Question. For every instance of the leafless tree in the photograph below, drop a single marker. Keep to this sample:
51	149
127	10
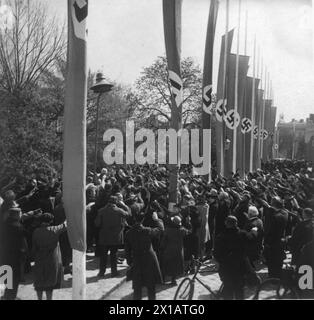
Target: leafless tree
30	46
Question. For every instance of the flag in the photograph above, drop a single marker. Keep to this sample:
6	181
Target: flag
172	32
258	123
74	154
273	113
220	130
208	70
247	113
208	64
231	73
267	127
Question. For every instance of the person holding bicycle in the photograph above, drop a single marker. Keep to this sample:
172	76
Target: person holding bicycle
231	254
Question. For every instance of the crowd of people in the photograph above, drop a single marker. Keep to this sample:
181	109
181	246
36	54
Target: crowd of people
239	222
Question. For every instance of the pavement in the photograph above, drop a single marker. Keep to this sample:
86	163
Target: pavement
167	291
118	288
96	288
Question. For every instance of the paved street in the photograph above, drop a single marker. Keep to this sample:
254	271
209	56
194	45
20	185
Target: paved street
167	292
97	289
118	289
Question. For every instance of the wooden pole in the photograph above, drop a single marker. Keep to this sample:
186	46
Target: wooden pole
79	275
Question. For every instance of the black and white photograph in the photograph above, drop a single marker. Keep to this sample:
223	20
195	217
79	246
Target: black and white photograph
156	150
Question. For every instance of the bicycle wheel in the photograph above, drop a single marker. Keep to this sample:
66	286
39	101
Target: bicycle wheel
185	290
287	292
267	290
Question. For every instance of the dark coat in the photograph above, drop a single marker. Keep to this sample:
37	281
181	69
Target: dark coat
13	245
231	252
223	212
302	234
65	247
111	221
172	250
275	226
255	246
141	256
240	212
48	270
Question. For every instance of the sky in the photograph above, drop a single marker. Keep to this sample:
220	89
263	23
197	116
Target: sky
127	35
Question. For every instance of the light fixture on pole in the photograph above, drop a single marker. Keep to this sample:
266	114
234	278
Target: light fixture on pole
101	86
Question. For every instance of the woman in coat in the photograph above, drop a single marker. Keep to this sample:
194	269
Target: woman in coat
48	270
173	249
13	248
140	255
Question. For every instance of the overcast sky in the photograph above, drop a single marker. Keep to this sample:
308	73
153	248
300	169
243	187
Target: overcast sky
127	35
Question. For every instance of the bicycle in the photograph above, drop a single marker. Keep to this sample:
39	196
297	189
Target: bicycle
285	287
186	288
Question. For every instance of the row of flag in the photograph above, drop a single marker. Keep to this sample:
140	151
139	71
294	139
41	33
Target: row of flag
250	126
254	113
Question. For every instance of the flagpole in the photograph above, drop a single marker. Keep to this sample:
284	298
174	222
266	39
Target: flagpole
245	53
208	79
253	108
74	150
263	110
222	140
234	149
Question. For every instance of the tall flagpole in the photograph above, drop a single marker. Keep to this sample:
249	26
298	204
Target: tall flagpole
222	141
253	108
260	64
234	149
245	53
263	110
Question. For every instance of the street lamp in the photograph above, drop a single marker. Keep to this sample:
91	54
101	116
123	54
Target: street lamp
101	86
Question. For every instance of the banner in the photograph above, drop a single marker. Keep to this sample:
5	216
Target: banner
208	65
268	128
222	103
74	154
258	123
247	113
231	75
208	73
172	32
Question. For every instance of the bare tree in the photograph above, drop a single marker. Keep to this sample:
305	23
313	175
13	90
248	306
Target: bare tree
152	92
30	47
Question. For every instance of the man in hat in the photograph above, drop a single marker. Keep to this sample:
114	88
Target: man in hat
212	214
111	222
276	220
302	234
230	252
145	269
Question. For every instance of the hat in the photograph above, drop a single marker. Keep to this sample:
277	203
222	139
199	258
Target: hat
46	218
276	202
223	195
252	212
113	199
14	213
213	193
308	211
176	220
231	222
246	194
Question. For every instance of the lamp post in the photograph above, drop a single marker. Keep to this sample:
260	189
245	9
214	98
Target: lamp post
101	86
